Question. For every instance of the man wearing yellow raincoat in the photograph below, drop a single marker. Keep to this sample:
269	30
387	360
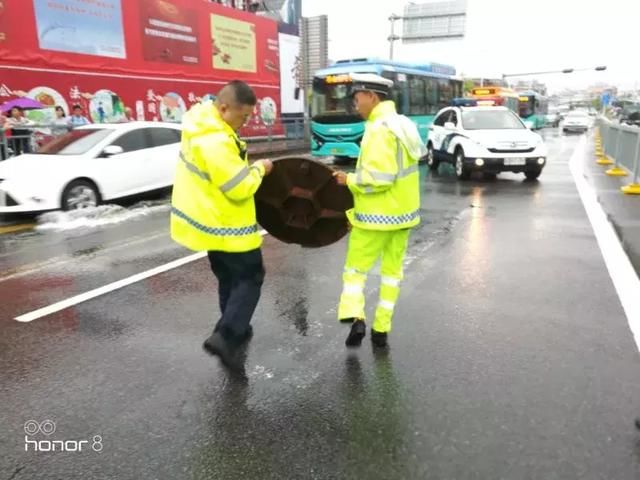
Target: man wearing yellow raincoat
213	210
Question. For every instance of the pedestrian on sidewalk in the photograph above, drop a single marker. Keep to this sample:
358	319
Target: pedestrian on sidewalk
213	210
77	118
386	195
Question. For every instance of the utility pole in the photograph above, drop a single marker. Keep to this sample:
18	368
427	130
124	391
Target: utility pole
392	37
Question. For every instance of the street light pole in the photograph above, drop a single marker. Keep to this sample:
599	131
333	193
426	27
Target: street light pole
393	37
566	70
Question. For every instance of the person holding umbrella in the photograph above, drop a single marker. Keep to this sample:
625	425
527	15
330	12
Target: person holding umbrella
20	137
21	141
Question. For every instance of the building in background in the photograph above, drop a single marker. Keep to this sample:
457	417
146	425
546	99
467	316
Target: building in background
315	47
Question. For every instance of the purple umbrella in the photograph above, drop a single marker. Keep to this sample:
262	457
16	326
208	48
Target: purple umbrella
22	102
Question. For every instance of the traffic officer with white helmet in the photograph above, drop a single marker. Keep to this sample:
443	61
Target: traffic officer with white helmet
386	193
213	210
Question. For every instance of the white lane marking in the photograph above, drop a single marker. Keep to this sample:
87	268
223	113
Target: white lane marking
64	259
624	277
83	297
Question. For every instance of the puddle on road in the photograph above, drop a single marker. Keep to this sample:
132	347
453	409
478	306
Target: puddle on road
99	216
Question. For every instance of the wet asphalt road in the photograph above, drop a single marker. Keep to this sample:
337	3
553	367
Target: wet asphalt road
511	357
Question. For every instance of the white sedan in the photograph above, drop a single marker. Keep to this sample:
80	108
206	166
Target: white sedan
485	139
576	121
89	165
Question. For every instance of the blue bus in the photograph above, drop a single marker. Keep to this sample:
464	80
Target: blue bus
419	92
533	109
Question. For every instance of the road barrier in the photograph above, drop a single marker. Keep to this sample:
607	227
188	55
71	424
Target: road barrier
619	145
282	136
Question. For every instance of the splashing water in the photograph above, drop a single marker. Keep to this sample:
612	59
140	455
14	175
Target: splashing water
99	216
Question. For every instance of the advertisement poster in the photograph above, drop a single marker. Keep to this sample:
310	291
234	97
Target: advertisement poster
167	66
169	32
234	44
291	95
106	106
104	99
3	21
80	26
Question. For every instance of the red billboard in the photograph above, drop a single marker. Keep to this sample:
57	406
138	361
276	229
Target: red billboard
156	56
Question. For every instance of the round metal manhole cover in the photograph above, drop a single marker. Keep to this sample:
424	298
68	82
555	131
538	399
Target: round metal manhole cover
300	202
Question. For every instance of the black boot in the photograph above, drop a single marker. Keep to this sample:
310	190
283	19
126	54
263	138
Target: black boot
227	349
357	333
378	339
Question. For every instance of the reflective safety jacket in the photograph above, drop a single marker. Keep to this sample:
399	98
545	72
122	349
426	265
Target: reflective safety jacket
385	185
212	207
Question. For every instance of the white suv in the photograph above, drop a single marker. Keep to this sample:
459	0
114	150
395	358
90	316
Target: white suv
485	139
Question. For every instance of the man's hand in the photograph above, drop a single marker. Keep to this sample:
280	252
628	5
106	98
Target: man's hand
268	165
341	177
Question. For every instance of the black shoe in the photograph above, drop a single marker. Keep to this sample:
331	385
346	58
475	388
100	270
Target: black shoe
379	339
357	333
227	350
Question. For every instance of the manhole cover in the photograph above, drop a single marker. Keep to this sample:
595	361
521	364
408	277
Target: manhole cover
300	202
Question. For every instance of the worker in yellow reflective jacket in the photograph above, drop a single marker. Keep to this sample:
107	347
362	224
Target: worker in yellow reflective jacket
386	194
213	210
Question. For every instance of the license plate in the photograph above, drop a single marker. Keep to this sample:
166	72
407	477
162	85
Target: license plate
334	150
515	161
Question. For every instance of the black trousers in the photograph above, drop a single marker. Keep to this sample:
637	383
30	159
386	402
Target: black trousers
240	277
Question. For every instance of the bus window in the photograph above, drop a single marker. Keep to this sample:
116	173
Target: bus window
446	93
432	95
417	104
397	91
456	88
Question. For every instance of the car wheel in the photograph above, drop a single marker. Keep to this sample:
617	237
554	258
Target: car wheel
532	174
80	194
462	172
431	158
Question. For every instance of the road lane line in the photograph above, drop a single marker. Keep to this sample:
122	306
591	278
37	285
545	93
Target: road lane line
622	273
97	292
63	259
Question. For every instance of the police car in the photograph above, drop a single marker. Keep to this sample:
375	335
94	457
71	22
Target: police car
485	139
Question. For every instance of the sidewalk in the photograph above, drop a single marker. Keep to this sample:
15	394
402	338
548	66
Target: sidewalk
623	210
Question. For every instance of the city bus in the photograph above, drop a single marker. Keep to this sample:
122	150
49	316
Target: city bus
419	92
500	96
533	109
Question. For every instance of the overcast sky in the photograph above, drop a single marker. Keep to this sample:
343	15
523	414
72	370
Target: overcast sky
503	36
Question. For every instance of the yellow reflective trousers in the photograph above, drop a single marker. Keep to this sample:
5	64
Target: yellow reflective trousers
365	248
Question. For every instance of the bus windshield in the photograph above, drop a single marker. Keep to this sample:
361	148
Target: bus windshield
526	106
332	100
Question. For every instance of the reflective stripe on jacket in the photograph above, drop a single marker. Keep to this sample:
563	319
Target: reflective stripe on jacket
385	185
